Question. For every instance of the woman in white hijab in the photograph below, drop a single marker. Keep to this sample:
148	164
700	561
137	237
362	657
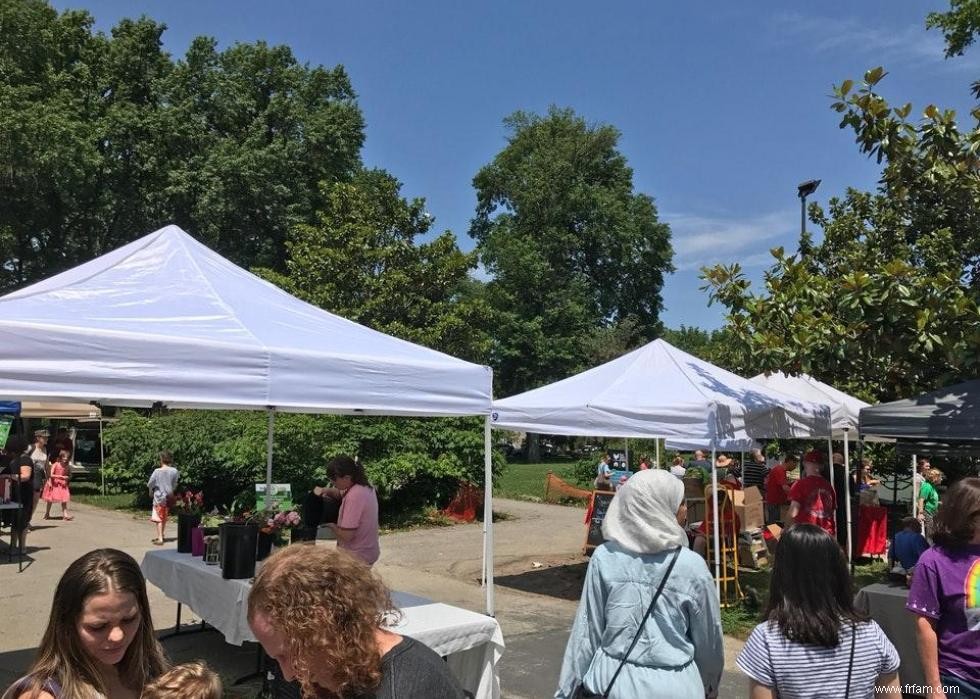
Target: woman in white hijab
679	650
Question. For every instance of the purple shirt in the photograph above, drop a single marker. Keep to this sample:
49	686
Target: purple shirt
946	587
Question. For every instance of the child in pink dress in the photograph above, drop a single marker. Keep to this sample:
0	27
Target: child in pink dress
56	487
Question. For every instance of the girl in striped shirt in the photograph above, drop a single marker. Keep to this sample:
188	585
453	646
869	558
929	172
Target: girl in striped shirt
814	643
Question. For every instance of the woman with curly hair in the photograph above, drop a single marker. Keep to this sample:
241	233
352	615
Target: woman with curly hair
99	641
321	614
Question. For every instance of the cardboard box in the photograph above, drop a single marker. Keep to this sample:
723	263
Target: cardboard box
749	507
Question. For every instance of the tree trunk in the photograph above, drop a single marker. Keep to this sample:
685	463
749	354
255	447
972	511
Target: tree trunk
533	448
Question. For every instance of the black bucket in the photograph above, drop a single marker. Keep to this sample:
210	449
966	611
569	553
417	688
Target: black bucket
238	547
264	547
186	522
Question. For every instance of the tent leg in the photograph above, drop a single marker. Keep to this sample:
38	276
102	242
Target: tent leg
847	493
101	456
268	458
915	490
488	516
656	446
626	448
716	534
830	460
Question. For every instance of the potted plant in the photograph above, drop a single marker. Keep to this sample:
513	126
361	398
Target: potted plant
239	542
188	506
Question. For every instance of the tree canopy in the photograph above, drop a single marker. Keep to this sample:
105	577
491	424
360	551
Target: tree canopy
365	259
886	305
571	249
104	138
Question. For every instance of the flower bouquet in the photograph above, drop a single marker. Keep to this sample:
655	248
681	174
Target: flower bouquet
188	502
280	524
188	506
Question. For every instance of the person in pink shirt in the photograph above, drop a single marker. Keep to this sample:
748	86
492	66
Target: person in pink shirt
357	526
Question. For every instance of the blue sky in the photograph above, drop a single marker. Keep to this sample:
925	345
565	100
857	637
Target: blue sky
723	109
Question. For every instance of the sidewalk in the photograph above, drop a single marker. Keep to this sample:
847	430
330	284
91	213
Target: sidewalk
441	563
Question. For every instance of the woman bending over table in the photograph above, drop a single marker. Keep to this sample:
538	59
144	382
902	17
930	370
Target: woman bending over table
321	614
357	526
99	641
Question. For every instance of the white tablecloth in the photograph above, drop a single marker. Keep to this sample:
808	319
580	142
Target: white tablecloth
471	643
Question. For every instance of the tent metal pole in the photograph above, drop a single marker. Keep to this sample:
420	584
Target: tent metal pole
626	442
716	534
101	455
488	515
915	489
656	446
847	492
268	457
830	460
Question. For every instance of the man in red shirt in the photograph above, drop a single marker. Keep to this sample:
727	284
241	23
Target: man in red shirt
777	489
812	498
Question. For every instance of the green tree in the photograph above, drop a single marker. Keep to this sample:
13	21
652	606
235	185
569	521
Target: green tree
104	138
959	26
364	259
572	251
710	345
886	305
412	463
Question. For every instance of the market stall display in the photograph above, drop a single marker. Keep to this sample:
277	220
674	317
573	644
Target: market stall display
471	643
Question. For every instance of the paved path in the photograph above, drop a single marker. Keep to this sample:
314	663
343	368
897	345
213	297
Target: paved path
441	563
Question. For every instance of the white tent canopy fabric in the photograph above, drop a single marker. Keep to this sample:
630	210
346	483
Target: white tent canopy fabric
167	319
844	409
660	391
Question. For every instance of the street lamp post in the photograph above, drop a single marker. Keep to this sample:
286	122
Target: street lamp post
804	190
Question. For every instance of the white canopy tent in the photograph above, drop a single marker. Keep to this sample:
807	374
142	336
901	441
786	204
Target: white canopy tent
659	391
845	411
166	320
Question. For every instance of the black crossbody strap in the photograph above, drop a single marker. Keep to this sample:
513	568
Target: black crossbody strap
850	664
639	630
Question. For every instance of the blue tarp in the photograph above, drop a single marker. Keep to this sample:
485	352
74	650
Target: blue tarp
9	407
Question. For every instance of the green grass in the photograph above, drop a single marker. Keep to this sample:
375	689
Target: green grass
520	481
739	620
89	493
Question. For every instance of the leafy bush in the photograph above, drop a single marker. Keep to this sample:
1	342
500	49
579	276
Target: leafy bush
412	462
584	471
